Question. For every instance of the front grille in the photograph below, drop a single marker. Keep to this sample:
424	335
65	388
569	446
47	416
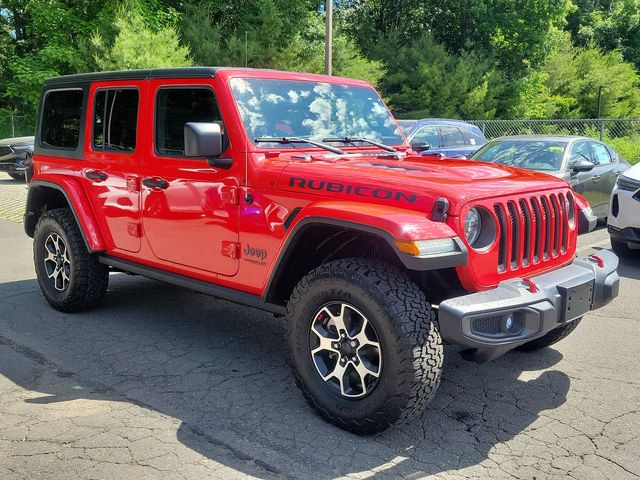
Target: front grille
5	151
531	230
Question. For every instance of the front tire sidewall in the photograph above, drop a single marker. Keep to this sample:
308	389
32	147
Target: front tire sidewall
388	394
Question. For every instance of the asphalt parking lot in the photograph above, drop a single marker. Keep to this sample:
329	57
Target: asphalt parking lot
160	382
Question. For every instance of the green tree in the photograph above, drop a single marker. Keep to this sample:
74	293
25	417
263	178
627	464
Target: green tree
305	53
137	45
424	79
577	72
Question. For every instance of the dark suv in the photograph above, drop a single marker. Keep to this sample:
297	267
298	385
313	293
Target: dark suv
13	154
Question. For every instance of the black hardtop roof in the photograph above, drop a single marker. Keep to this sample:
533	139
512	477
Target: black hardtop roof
178	72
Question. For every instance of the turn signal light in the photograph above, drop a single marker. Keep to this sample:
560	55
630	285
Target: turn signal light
420	248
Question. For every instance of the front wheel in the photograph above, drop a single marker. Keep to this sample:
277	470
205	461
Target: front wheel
622	250
364	344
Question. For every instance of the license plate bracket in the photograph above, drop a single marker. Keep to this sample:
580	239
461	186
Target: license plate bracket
577	300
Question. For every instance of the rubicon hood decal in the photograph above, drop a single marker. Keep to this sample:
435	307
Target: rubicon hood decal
348	188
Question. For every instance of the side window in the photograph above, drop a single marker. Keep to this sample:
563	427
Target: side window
579	151
428	135
115	120
600	154
61	116
177	106
471	138
451	137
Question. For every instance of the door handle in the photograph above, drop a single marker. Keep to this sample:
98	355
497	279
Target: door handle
155	183
96	175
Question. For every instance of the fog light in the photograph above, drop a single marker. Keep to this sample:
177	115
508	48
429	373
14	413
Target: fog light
509	322
512	324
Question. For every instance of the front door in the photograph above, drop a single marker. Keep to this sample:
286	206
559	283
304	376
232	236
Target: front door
112	161
189	209
582	182
605	175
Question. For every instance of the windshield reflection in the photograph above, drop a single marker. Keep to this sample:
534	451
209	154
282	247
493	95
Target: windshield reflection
286	108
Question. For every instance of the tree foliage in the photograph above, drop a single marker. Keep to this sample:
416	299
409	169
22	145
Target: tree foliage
138	45
454	58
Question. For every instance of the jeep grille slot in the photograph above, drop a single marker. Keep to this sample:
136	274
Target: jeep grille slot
502	232
514	220
531	230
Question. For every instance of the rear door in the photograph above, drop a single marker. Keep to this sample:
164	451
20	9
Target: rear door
112	161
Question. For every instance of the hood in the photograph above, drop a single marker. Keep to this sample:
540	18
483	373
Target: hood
414	180
17	141
633	172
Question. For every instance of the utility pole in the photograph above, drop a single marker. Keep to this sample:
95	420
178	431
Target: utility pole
600	87
600	121
328	48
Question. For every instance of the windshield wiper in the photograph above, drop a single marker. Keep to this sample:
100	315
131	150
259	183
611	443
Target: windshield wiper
285	140
363	140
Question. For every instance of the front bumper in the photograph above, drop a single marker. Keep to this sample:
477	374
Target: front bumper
13	163
493	322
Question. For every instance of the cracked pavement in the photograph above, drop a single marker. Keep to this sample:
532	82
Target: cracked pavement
160	382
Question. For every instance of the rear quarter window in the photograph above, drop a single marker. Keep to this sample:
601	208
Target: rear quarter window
62	119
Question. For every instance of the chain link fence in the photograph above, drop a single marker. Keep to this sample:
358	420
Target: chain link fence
12	125
622	134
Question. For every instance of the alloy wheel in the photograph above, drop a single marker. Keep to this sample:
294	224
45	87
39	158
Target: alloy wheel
345	350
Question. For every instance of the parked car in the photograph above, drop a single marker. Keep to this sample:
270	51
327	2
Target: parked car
443	138
233	182
624	219
13	153
590	166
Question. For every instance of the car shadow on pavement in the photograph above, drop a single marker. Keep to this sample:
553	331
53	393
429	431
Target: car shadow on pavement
222	371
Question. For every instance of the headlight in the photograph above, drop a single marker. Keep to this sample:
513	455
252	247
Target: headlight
22	148
472	226
570	208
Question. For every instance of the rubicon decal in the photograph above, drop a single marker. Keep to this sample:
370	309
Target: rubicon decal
350	189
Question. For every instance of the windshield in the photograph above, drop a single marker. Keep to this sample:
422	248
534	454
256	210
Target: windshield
540	155
286	108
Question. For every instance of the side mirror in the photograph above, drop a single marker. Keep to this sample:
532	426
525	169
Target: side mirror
420	146
204	139
582	166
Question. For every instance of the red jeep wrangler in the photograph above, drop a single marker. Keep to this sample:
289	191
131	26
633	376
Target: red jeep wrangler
297	194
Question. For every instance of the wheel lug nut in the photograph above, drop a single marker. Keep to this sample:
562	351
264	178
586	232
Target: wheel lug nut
343	360
343	335
353	343
354	359
336	345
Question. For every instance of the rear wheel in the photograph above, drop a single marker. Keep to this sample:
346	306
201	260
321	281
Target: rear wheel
554	336
364	344
70	277
621	249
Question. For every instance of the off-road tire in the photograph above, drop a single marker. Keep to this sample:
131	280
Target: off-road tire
17	176
554	336
88	279
622	250
408	334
